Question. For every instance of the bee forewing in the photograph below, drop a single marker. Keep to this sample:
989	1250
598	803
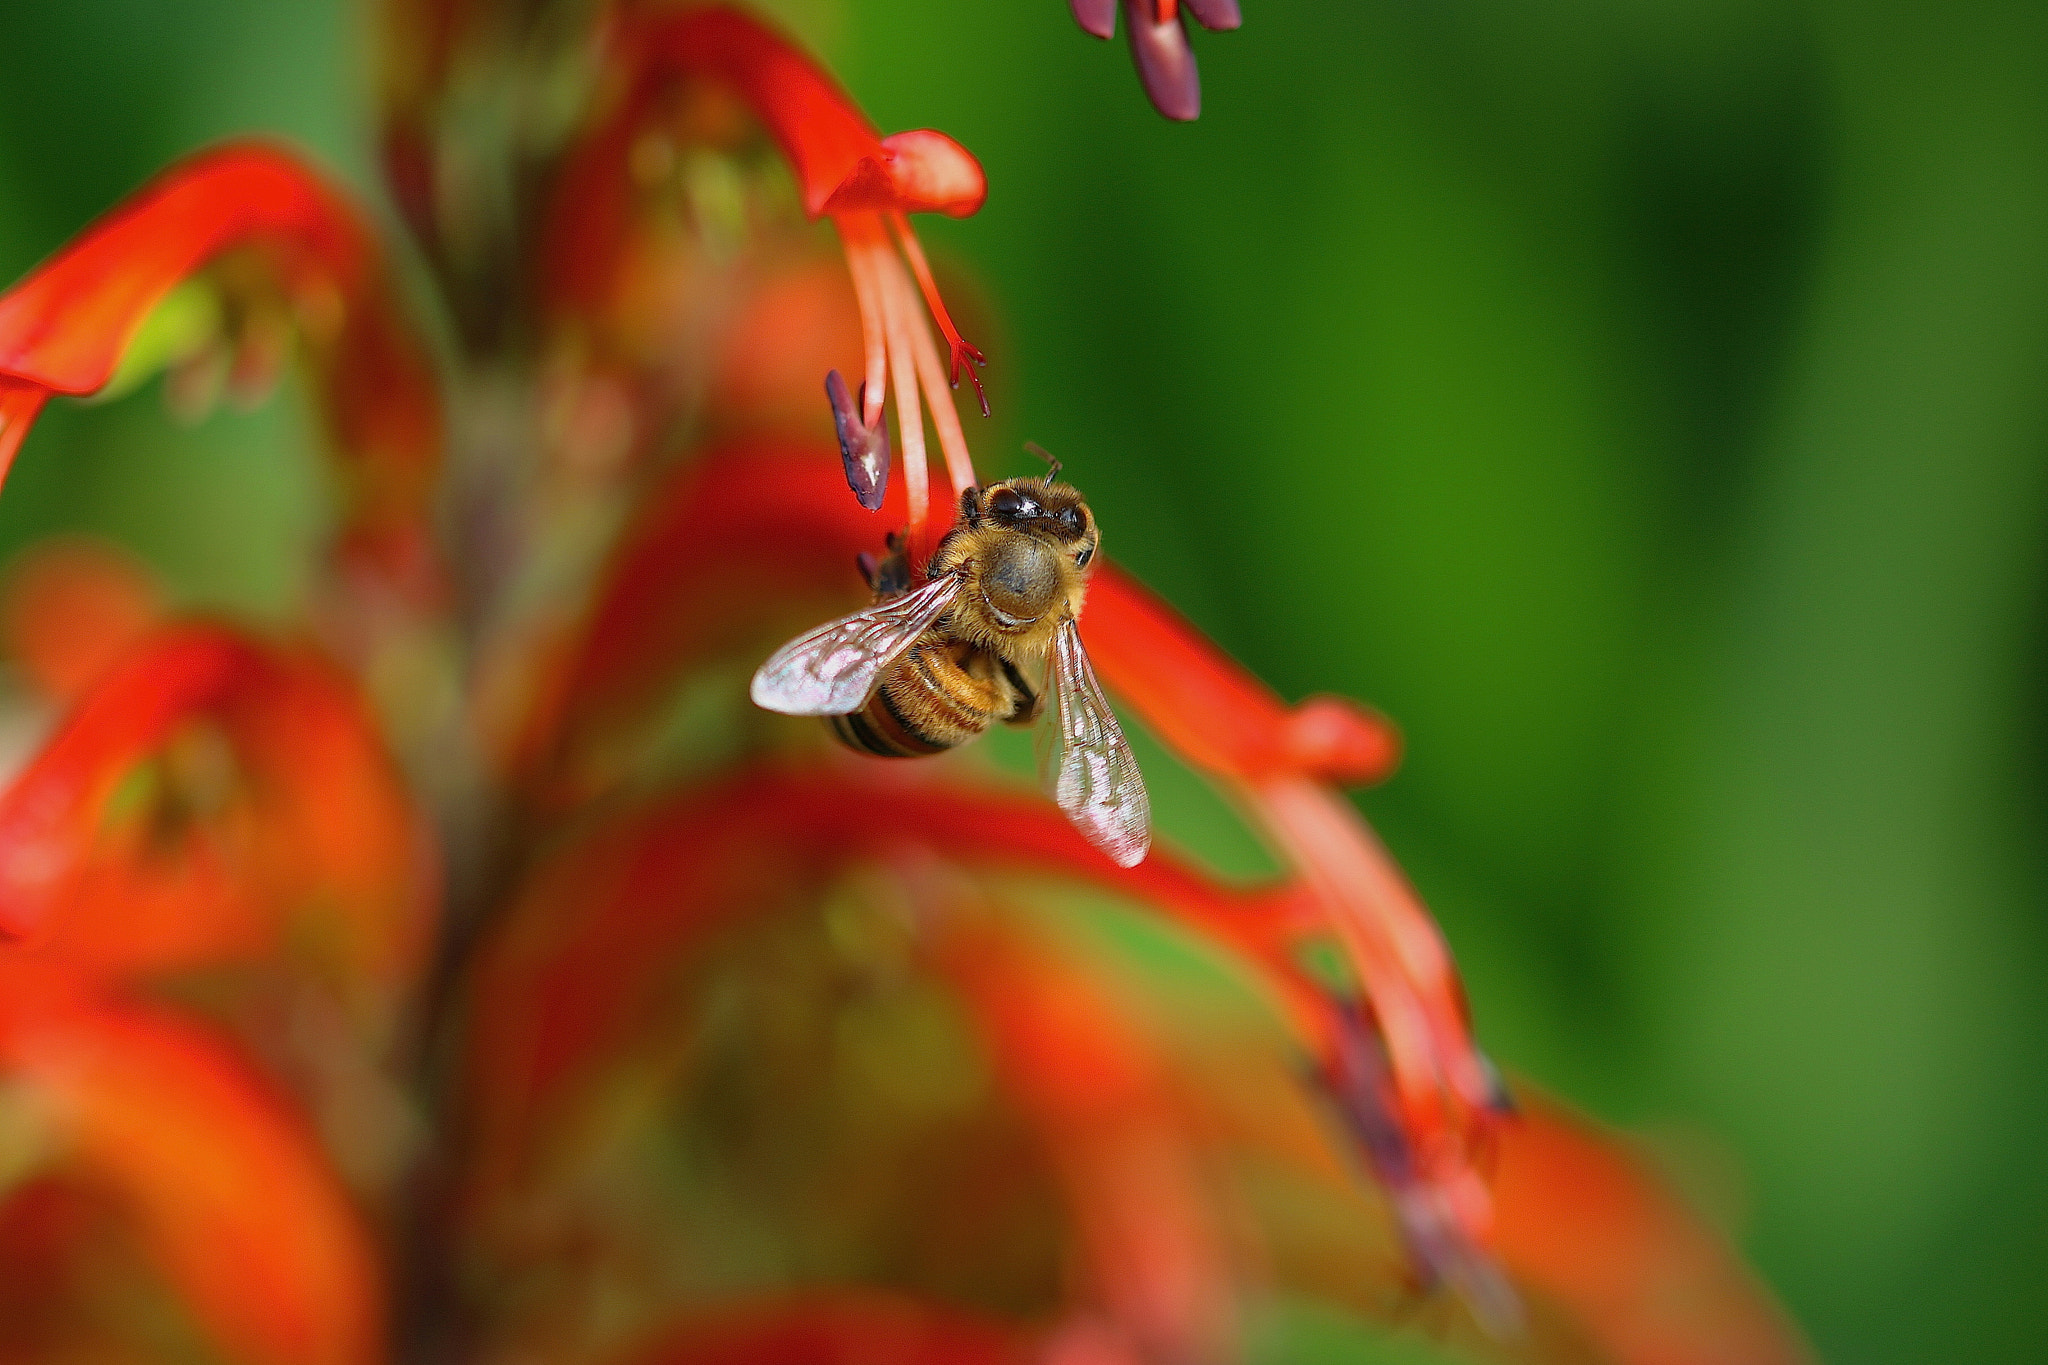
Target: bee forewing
1084	762
831	670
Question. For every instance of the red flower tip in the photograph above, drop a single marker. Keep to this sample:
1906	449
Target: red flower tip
921	171
1337	740
935	174
1214	713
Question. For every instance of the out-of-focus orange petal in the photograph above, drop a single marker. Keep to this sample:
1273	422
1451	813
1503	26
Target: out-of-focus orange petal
223	1180
316	818
70	607
738	527
603	926
1072	1058
835	1329
65	327
1579	1218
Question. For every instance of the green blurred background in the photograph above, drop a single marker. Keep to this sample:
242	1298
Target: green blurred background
1643	404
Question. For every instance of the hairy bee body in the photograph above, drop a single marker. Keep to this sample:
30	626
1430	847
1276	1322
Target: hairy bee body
991	634
1021	549
942	694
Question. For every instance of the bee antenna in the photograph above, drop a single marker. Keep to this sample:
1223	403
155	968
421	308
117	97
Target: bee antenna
1042	453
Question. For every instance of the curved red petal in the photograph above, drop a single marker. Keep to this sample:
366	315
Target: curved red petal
65	327
826	138
1100	1095
841	163
325	823
1212	711
225	1183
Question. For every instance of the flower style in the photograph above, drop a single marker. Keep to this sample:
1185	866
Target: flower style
590	1014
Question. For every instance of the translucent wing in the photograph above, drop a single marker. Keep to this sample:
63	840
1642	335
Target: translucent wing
831	670
1084	762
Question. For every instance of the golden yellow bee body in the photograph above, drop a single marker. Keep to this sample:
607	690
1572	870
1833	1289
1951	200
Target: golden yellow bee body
991	635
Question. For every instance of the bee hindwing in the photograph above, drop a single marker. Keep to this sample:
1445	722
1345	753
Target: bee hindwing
1084	762
831	670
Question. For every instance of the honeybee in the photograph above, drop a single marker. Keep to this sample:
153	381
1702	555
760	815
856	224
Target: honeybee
926	669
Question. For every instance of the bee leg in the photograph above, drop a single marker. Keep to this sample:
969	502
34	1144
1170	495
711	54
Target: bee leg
1026	704
892	576
865	562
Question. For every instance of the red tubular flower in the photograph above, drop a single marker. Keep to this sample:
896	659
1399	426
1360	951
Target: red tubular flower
272	798
742	1047
867	184
72	324
150	1111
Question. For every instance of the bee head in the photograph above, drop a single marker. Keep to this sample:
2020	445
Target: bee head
1034	541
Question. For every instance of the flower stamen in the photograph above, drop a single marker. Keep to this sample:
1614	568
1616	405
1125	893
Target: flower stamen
945	417
849	173
861	240
959	348
899	320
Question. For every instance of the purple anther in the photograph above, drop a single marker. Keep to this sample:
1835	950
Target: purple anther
863	449
1095	16
1166	64
1215	15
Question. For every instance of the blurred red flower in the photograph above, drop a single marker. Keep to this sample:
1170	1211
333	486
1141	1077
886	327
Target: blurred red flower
475	974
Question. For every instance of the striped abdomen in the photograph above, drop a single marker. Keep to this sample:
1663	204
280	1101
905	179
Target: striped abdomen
938	696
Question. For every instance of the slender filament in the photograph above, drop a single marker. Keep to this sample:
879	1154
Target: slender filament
865	243
960	351
932	378
898	319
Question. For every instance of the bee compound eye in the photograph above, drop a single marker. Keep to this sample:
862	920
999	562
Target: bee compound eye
1007	502
1070	517
1081	559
